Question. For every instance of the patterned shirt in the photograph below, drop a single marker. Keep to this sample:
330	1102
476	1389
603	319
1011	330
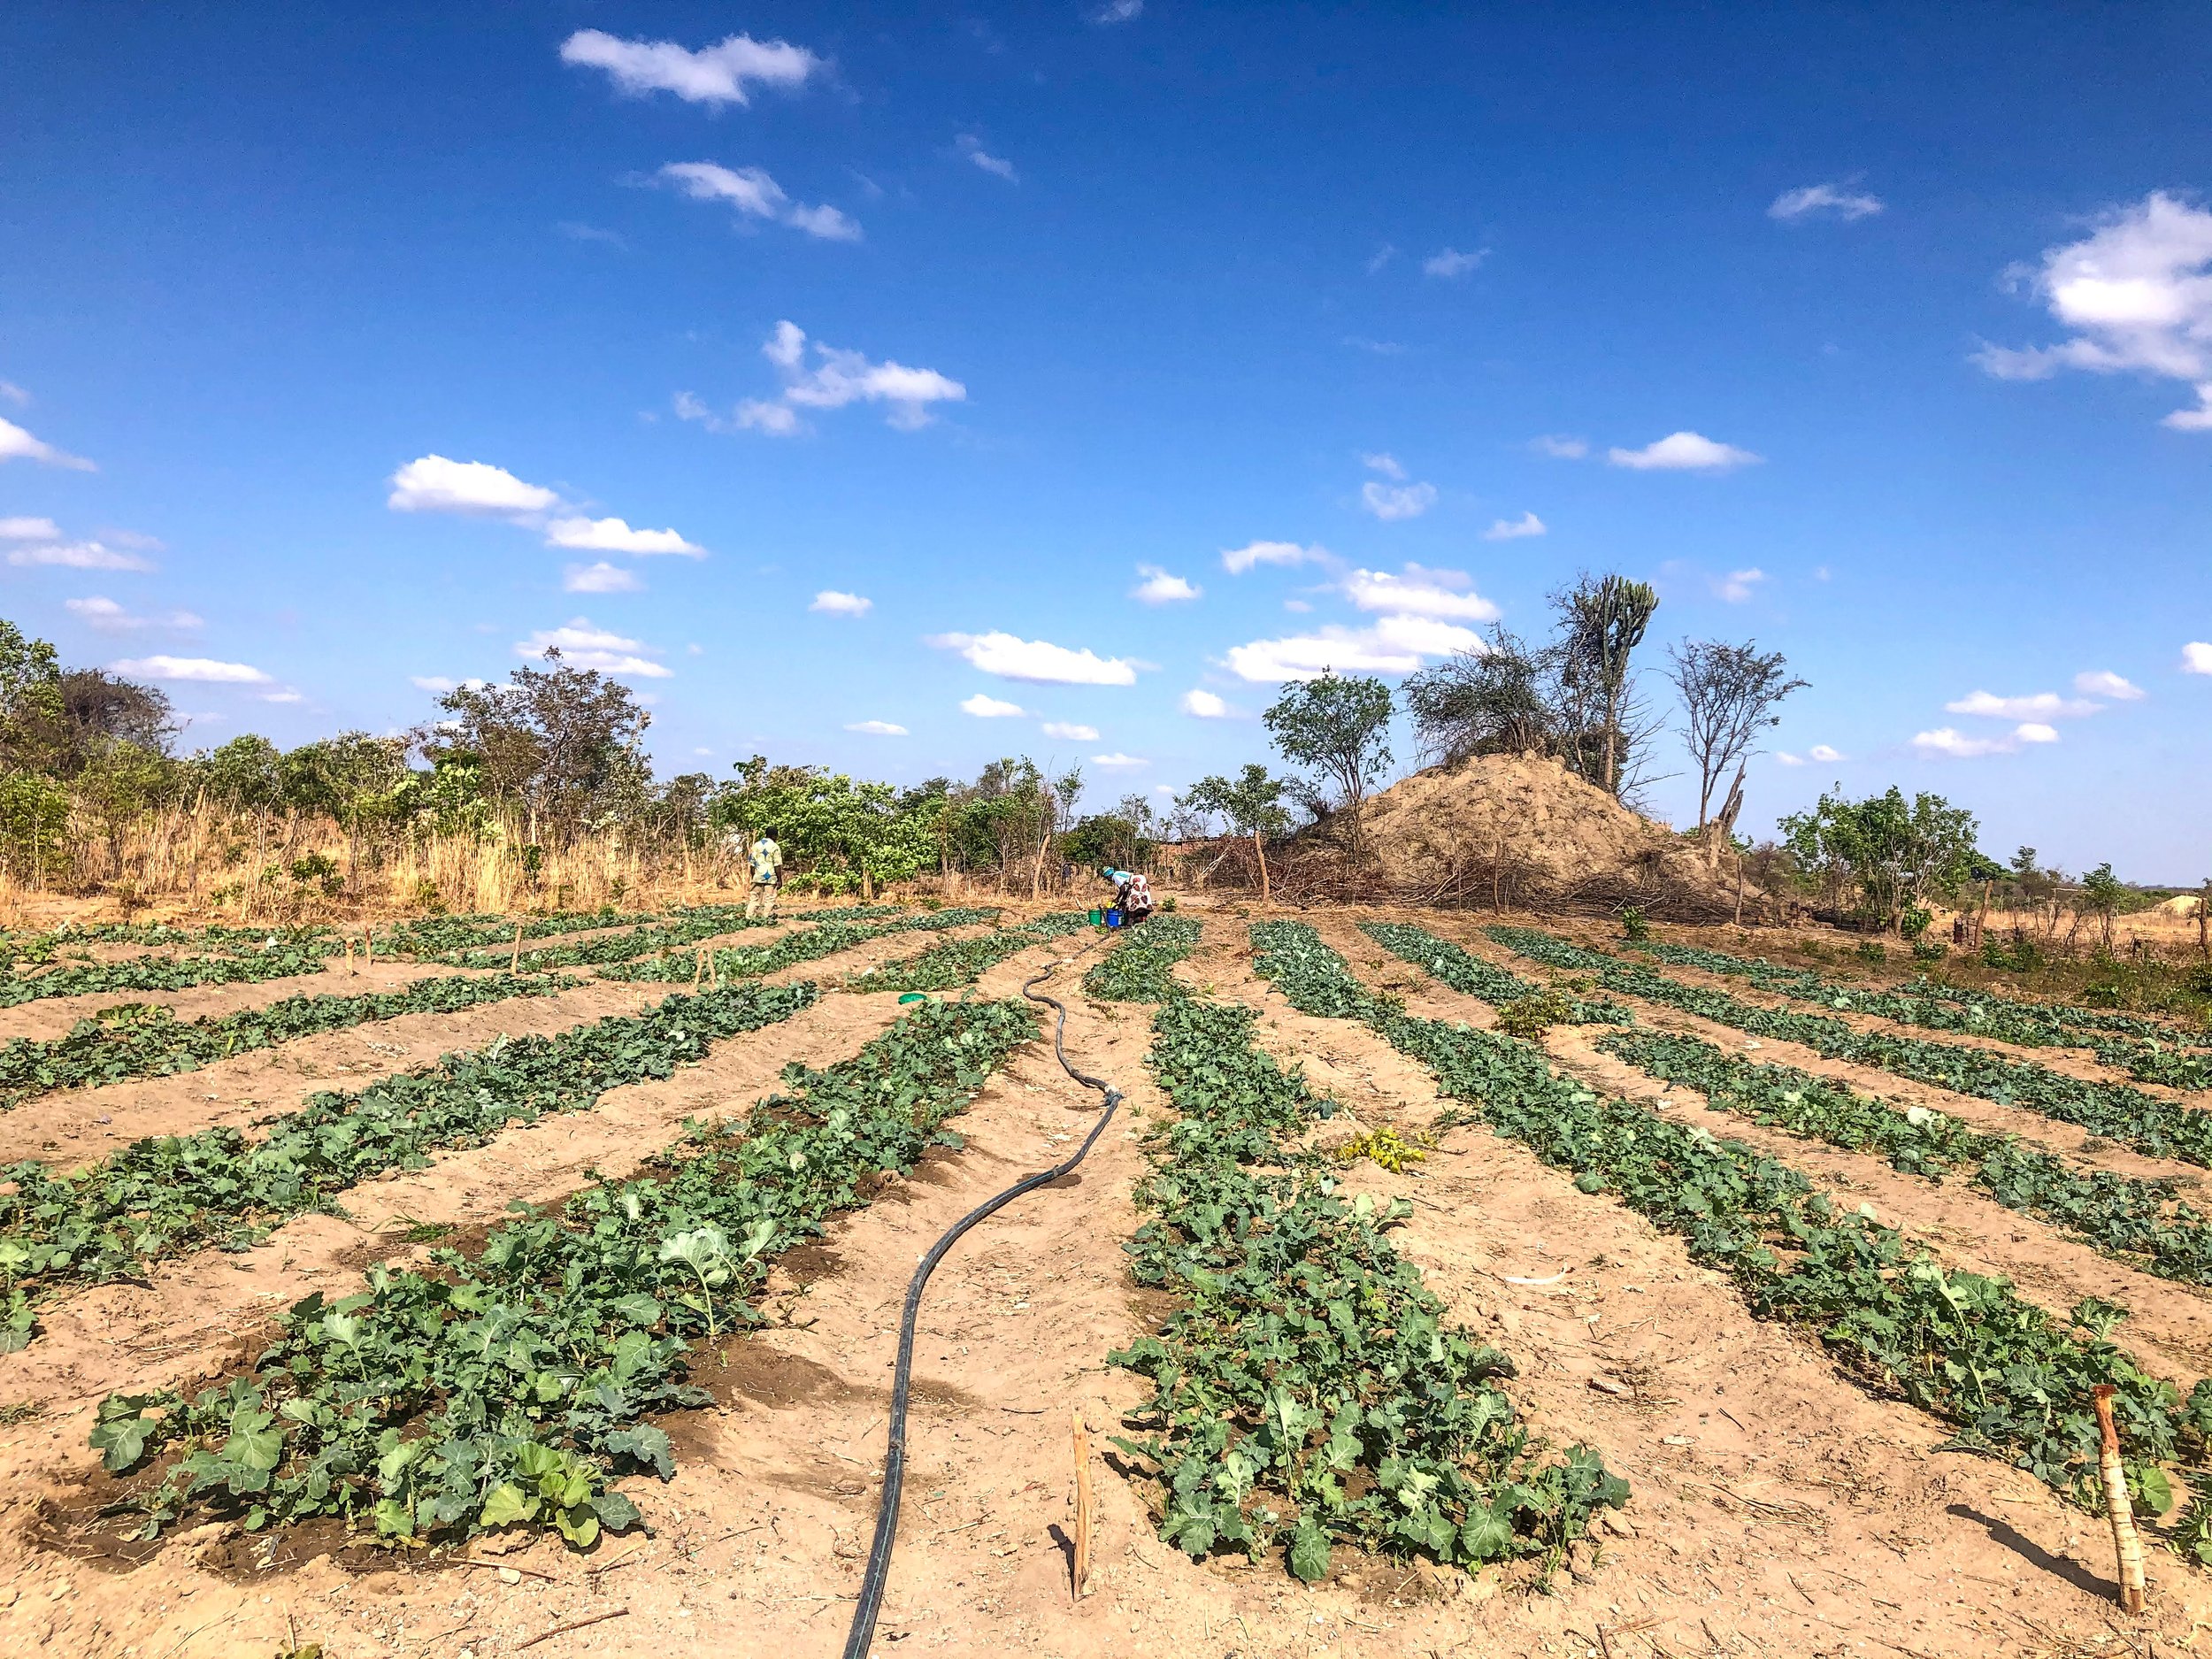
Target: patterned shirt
765	856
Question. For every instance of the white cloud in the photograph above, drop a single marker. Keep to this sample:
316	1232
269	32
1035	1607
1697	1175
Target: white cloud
1822	751
613	535
1421	593
1160	588
1514	529
1389	502
1298	607
1118	760
2102	682
1010	658
14	394
2137	293
1201	705
582	644
831	603
1560	448
1738	586
1824	198
600	578
16	444
971	147
1392	645
1385	463
1683	451
111	618
2042	706
991	707
2196	658
29	530
434	484
193	668
1118	11
430	682
837	378
78	555
1071	731
282	696
877	728
575	230
1236	561
1788	759
1452	263
712	75
1946	740
756	195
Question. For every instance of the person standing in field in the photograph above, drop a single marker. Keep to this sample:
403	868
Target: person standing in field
766	858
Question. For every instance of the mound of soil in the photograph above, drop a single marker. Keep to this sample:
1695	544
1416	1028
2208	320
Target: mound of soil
1532	833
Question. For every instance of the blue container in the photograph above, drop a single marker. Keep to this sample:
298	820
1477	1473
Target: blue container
1113	919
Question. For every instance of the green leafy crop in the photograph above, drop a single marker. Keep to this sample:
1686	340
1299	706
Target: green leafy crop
166	1196
1141	968
508	1386
807	944
953	963
147	1041
167	973
1308	1390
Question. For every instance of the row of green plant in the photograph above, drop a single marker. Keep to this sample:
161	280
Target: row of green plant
2145	1221
1308	1390
438	936
2008	1378
1532	1005
2147	1123
953	963
508	1386
1141	968
41	945
167	1195
805	944
706	922
167	973
147	1040
1947	1008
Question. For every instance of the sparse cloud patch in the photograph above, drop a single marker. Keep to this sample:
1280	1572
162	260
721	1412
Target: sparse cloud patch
877	728
435	484
971	147
1515	529
986	708
831	603
2102	682
1948	742
1201	705
1237	561
1037	661
1117	761
195	670
78	555
600	578
1448	263
109	616
1738	586
16	444
1160	588
1822	752
1070	731
1560	447
1823	201
2040	705
1682	452
583	643
1391	645
2196	658
754	194
613	535
1419	593
835	378
712	75
25	529
2137	294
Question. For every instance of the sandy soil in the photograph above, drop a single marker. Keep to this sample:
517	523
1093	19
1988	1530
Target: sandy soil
1777	1509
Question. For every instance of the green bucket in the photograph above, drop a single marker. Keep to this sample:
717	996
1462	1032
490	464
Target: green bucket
913	996
1096	919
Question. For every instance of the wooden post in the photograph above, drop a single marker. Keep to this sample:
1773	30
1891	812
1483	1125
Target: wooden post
1261	849
350	968
698	968
2124	1541
1080	1434
368	946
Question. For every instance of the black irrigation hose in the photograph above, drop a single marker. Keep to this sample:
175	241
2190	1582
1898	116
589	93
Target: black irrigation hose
862	1633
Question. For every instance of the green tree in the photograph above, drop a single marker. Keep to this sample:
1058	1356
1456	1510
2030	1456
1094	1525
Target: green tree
2102	894
33	716
1253	804
1601	622
245	774
1888	853
561	748
1497	701
1341	728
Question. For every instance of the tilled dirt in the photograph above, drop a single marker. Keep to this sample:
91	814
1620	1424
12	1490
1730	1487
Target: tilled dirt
1776	1508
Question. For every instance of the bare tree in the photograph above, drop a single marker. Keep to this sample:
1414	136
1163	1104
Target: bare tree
1497	700
1728	693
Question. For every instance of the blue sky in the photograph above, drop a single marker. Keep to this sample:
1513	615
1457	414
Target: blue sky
350	348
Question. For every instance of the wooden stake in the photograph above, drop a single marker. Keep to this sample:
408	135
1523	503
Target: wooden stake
1080	1434
350	967
1262	851
368	946
698	968
2124	1541
514	957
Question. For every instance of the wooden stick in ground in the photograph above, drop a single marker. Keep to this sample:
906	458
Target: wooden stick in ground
514	956
2124	1541
1262	851
368	946
351	969
576	1624
1081	1435
698	968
